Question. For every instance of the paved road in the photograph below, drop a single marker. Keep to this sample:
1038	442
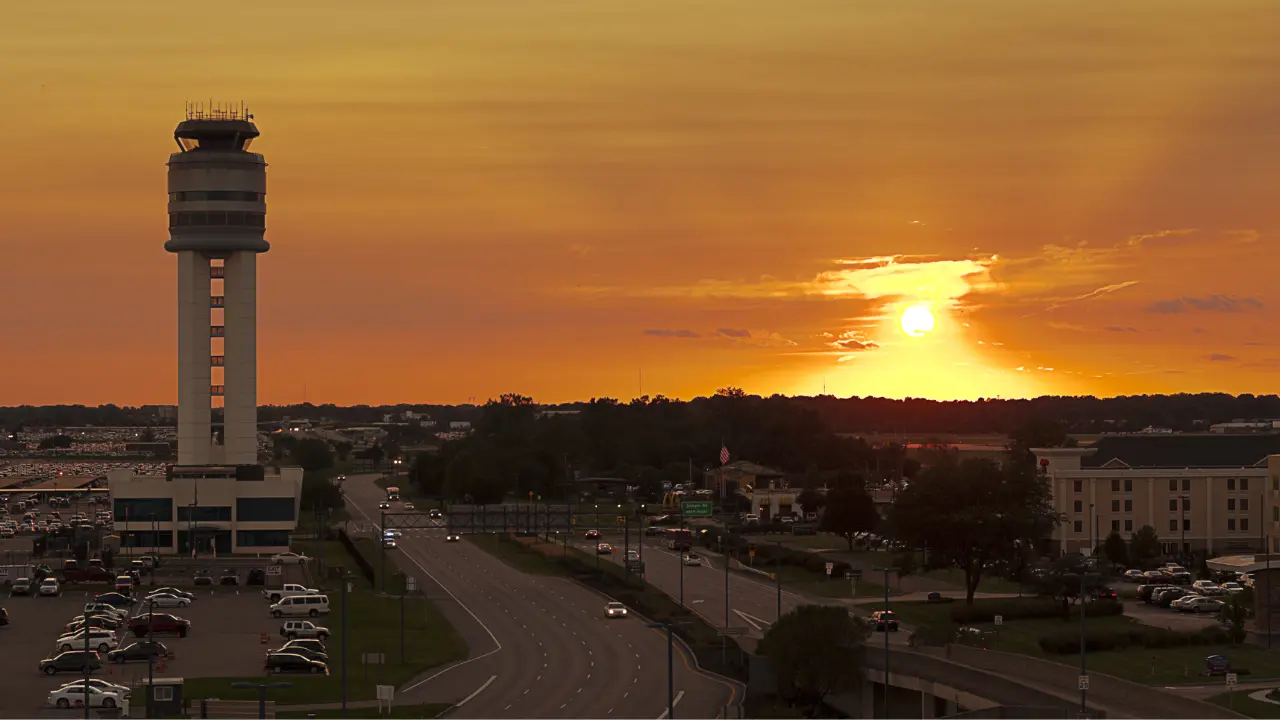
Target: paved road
541	647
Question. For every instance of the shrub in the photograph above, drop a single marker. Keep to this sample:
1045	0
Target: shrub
982	611
1067	642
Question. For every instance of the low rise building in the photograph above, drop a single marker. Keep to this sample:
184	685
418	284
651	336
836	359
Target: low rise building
1203	493
244	509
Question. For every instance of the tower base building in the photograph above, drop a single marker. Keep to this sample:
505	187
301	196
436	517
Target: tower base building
217	498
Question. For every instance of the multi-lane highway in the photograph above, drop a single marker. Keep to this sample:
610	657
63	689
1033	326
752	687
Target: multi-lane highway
540	646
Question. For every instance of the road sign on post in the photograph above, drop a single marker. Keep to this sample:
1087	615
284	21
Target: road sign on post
1232	679
830	567
697	508
1082	682
411	584
999	620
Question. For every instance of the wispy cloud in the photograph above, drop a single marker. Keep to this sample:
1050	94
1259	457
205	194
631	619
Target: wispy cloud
1212	303
672	333
1219	357
1120	328
733	333
1095	293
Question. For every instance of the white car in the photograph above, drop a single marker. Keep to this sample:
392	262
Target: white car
408	506
100	684
49	587
1232	587
692	560
615	610
74	697
290	558
105	609
165	600
99	639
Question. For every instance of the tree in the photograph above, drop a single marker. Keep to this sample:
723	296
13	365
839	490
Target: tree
815	650
1144	547
1235	614
56	442
312	455
974	515
1061	580
811	500
1115	549
342	449
849	511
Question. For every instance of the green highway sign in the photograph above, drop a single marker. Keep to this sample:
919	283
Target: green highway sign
697	508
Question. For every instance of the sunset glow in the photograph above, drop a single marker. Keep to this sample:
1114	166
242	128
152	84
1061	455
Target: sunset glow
574	199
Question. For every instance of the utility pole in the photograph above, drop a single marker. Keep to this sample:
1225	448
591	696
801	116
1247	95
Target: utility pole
88	614
1084	668
777	576
344	645
886	570
382	530
724	639
151	656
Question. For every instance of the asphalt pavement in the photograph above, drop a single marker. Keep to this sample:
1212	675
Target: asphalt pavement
540	646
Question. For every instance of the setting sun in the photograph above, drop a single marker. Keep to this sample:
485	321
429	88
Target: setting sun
917	320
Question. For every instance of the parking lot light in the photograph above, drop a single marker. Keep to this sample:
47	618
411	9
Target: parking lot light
262	692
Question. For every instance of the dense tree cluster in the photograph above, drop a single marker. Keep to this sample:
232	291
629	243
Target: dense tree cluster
842	415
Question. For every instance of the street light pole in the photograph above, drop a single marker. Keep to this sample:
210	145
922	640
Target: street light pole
382	530
777	575
151	656
671	683
886	570
344	645
1182	527
1084	668
87	615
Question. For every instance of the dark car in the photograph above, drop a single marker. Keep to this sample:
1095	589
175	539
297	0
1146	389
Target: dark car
151	623
1107	593
592	535
21	586
312	644
293	663
107	622
76	661
4	617
203	578
114	599
257	576
140	651
304	652
1217	665
229	577
885	621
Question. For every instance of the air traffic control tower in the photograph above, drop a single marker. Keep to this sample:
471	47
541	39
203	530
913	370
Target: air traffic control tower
217	223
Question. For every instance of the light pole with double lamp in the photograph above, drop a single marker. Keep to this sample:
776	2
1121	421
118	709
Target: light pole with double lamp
262	689
671	682
886	570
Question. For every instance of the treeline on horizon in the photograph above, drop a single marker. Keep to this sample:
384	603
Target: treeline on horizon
1084	414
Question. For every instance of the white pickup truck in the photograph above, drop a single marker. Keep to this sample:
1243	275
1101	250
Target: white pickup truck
275	595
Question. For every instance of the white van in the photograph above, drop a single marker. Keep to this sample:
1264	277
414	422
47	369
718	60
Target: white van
308	605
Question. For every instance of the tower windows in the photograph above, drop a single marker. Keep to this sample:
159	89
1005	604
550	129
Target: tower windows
217	218
215	196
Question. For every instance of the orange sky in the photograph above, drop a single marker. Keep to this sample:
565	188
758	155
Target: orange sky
468	197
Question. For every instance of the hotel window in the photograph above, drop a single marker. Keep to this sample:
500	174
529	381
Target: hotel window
1079	506
1078	527
1173	504
1186	503
1173	525
1076	486
1115	506
1231	504
1115	526
1186	484
1173	485
1115	484
1231	524
1128	526
1244	484
1275	514
1244	504
1128	485
1244	524
1231	483
1186	525
1128	506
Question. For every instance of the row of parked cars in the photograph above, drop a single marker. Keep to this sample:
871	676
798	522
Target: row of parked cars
1203	596
94	638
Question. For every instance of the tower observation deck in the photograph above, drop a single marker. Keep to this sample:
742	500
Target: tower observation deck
217	227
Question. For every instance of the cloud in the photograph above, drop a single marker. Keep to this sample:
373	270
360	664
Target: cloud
1212	303
733	333
1095	293
672	333
1219	357
1120	328
1068	326
854	345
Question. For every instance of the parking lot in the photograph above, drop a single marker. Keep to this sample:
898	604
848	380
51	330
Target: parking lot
225	640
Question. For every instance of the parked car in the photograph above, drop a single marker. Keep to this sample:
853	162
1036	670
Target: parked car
66	697
100	639
229	577
76	661
1133	575
21	586
280	663
202	577
114	599
158	623
165	600
49	588
308	605
275	595
106	622
295	629
97	608
315	645
307	653
99	683
1199	605
290	558
175	591
139	651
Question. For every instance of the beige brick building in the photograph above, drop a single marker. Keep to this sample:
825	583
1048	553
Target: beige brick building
1215	494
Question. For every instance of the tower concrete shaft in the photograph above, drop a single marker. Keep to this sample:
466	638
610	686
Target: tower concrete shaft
217	223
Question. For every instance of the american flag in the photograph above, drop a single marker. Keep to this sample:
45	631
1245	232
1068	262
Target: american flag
724	455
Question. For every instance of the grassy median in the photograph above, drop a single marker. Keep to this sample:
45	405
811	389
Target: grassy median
426	710
373	621
1240	702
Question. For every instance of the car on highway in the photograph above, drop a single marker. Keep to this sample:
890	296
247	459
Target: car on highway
384	505
21	586
159	623
592	535
884	621
303	629
65	697
409	506
452	537
692	560
434	514
165	600
290	558
604	549
139	651
49	588
394	534
76	661
615	610
389	543
280	663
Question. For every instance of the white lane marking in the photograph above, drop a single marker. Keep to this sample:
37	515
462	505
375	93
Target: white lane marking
752	620
526	692
507	707
674	703
479	690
